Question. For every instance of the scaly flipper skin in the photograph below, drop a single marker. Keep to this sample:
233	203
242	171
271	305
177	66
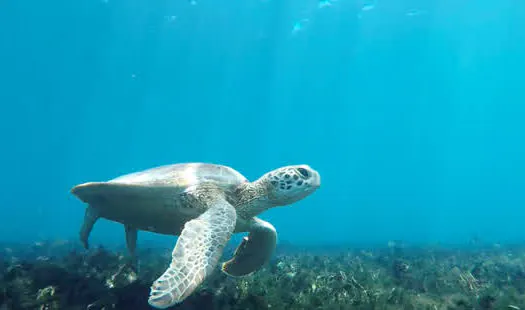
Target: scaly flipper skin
254	251
196	254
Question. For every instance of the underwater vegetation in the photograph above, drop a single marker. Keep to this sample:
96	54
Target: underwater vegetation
60	275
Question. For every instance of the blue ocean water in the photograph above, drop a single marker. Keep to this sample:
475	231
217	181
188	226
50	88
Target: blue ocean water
412	111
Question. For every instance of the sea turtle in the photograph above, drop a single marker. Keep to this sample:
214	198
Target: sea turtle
203	204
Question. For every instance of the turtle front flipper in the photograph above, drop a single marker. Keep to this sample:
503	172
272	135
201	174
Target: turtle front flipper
254	251
90	217
195	255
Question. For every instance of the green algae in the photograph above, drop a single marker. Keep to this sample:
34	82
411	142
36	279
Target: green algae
436	278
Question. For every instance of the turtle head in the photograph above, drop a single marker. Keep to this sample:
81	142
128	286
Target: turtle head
290	184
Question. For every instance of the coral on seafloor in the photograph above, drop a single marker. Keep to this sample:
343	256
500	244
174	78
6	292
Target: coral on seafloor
61	276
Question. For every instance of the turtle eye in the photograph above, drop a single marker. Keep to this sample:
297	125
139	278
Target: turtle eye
303	172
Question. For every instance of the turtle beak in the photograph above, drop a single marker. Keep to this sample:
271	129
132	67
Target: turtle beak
316	179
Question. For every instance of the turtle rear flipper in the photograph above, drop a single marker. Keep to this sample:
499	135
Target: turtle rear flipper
195	255
254	251
90	218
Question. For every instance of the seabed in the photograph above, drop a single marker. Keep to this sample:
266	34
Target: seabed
60	275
